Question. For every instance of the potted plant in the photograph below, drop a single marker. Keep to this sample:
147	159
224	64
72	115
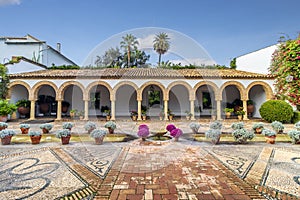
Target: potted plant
216	125
277	126
99	135
240	134
195	127
81	115
143	131
23	106
176	133
144	112
214	132
6	136
269	135
170	127
250	107
258	127
170	115
46	127
67	125
64	106
24	128
107	113
228	112
73	113
90	126
297	126
214	135
65	135
35	137
6	108
3	125
295	136
240	113
133	115
188	115
111	126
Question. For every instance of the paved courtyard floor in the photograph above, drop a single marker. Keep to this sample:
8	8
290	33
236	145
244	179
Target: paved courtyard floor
147	170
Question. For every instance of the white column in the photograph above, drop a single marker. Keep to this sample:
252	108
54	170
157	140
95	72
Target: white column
32	109
86	110
58	112
219	110
192	109
139	110
166	109
113	110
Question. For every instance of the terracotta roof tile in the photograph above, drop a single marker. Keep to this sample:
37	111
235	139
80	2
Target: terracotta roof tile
142	73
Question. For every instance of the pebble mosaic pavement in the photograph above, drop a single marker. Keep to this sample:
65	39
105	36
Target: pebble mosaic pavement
149	170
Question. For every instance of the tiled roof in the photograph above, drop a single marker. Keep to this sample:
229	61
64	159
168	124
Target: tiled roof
142	73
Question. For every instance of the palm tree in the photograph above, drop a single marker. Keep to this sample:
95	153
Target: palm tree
129	42
161	45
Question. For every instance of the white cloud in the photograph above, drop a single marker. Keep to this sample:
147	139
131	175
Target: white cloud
194	61
9	2
147	42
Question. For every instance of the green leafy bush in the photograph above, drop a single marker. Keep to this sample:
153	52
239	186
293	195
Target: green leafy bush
296	117
276	110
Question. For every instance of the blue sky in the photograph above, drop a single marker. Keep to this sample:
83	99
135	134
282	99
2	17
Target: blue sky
224	28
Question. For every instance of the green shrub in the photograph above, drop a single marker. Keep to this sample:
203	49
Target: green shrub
296	117
276	110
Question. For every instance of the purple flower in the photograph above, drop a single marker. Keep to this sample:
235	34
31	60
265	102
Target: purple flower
170	127
143	132
143	126
176	133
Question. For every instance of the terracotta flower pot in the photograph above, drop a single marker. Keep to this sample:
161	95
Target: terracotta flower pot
110	130
6	140
176	139
65	140
270	139
258	130
24	130
35	139
99	140
45	130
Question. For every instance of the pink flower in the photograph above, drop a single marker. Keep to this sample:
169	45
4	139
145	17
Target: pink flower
143	126
170	127
143	132
176	133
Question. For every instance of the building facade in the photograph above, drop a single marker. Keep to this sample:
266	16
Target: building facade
198	91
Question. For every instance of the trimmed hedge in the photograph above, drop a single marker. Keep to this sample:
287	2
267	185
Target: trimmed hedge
276	110
296	117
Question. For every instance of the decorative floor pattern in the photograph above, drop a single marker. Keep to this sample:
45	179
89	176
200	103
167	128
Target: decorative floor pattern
97	158
36	174
238	159
283	172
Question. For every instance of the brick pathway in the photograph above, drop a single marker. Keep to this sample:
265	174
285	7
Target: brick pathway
149	172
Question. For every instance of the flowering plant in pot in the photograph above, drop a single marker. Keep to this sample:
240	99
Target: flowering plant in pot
111	126
295	136
64	134
258	127
277	126
24	128
214	135
297	125
170	127
35	137
176	133
3	125
46	127
269	135
90	126
6	136
143	131
67	125
195	127
240	134
99	135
